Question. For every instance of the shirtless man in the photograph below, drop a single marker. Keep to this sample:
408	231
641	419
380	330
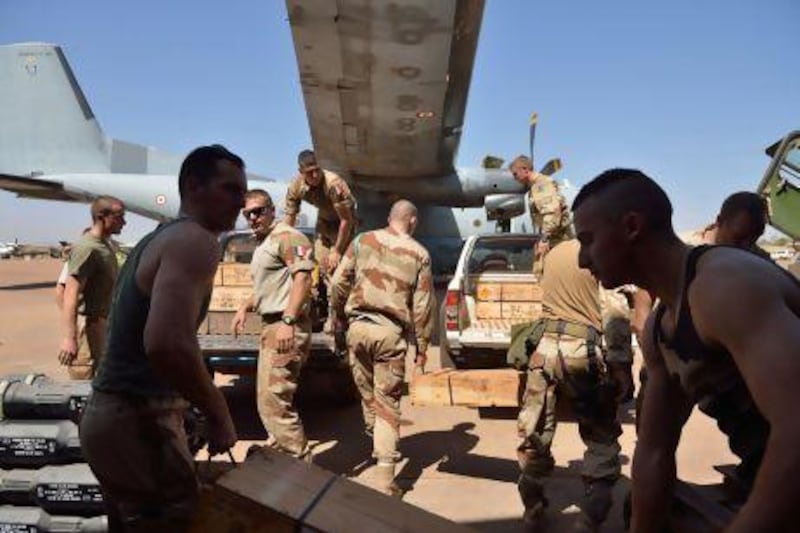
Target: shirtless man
132	428
724	337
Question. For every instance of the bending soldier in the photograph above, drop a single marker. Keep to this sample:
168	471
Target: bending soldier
329	193
547	206
281	270
385	286
567	361
723	337
86	301
132	432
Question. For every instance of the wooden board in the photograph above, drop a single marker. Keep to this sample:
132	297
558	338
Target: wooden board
228	298
521	310
218	276
219	323
484	310
236	275
521	292
272	492
470	388
488	292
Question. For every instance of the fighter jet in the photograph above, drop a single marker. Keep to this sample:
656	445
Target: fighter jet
385	87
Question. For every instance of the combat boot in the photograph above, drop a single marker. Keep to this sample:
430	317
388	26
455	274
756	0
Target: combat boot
531	493
596	503
384	480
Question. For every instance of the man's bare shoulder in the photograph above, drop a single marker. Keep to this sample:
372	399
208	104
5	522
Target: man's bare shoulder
185	244
723	267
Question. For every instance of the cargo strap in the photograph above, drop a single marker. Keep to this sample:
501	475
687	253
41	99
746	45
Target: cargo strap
580	331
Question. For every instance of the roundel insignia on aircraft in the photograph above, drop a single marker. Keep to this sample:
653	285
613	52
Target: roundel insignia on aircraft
161	199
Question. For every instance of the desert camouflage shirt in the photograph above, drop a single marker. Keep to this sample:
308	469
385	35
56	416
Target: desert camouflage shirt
330	195
386	277
548	208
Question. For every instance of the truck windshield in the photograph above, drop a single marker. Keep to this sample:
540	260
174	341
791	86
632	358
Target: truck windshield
506	254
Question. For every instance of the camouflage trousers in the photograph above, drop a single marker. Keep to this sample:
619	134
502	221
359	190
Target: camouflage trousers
91	346
276	384
616	326
377	357
560	368
137	449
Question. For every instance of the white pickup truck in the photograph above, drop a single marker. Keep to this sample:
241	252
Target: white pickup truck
492	289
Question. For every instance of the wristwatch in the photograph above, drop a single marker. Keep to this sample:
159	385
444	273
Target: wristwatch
289	320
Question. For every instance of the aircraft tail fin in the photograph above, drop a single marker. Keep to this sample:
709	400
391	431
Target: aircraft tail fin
48	127
46	124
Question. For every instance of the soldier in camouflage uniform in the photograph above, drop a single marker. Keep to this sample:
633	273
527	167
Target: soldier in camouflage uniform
568	363
385	288
547	206
281	269
336	218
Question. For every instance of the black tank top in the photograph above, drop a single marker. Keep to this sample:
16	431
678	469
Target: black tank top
125	368
710	377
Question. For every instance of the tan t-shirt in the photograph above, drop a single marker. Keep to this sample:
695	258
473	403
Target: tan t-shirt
284	252
94	262
569	292
331	194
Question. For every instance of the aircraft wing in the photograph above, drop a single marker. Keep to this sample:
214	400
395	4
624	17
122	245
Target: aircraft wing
37	188
385	83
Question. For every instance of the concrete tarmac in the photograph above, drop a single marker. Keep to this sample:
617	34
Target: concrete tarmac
459	463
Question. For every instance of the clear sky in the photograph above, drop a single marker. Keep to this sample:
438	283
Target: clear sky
690	91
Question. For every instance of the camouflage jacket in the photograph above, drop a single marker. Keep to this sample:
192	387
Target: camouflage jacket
329	196
548	208
386	277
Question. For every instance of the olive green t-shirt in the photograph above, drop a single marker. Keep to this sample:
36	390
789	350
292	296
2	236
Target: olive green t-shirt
94	262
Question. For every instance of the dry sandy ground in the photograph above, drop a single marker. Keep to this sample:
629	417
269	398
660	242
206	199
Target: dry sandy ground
459	463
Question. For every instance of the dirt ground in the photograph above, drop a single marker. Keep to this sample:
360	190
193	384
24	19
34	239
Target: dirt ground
458	462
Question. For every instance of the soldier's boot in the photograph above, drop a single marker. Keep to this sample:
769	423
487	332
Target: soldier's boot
384	480
596	504
531	493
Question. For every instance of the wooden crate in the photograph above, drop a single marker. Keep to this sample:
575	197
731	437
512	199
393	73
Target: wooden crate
228	298
236	275
272	492
521	292
218	277
470	388
521	310
486	310
219	323
488	292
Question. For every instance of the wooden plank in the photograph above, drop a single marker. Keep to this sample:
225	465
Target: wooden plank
470	388
432	388
218	276
268	492
521	310
273	492
236	275
484	310
488	292
486	388
219	323
228	298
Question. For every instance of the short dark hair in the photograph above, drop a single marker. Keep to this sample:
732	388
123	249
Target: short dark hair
306	157
744	202
201	164
259	193
104	205
630	190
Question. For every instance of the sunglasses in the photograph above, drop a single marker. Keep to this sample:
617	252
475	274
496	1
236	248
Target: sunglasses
255	212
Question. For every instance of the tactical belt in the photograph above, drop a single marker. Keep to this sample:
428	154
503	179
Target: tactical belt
580	331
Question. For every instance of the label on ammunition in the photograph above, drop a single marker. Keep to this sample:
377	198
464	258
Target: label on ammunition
68	492
17	528
27	447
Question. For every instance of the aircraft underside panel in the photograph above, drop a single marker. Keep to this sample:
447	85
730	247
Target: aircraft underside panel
385	83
